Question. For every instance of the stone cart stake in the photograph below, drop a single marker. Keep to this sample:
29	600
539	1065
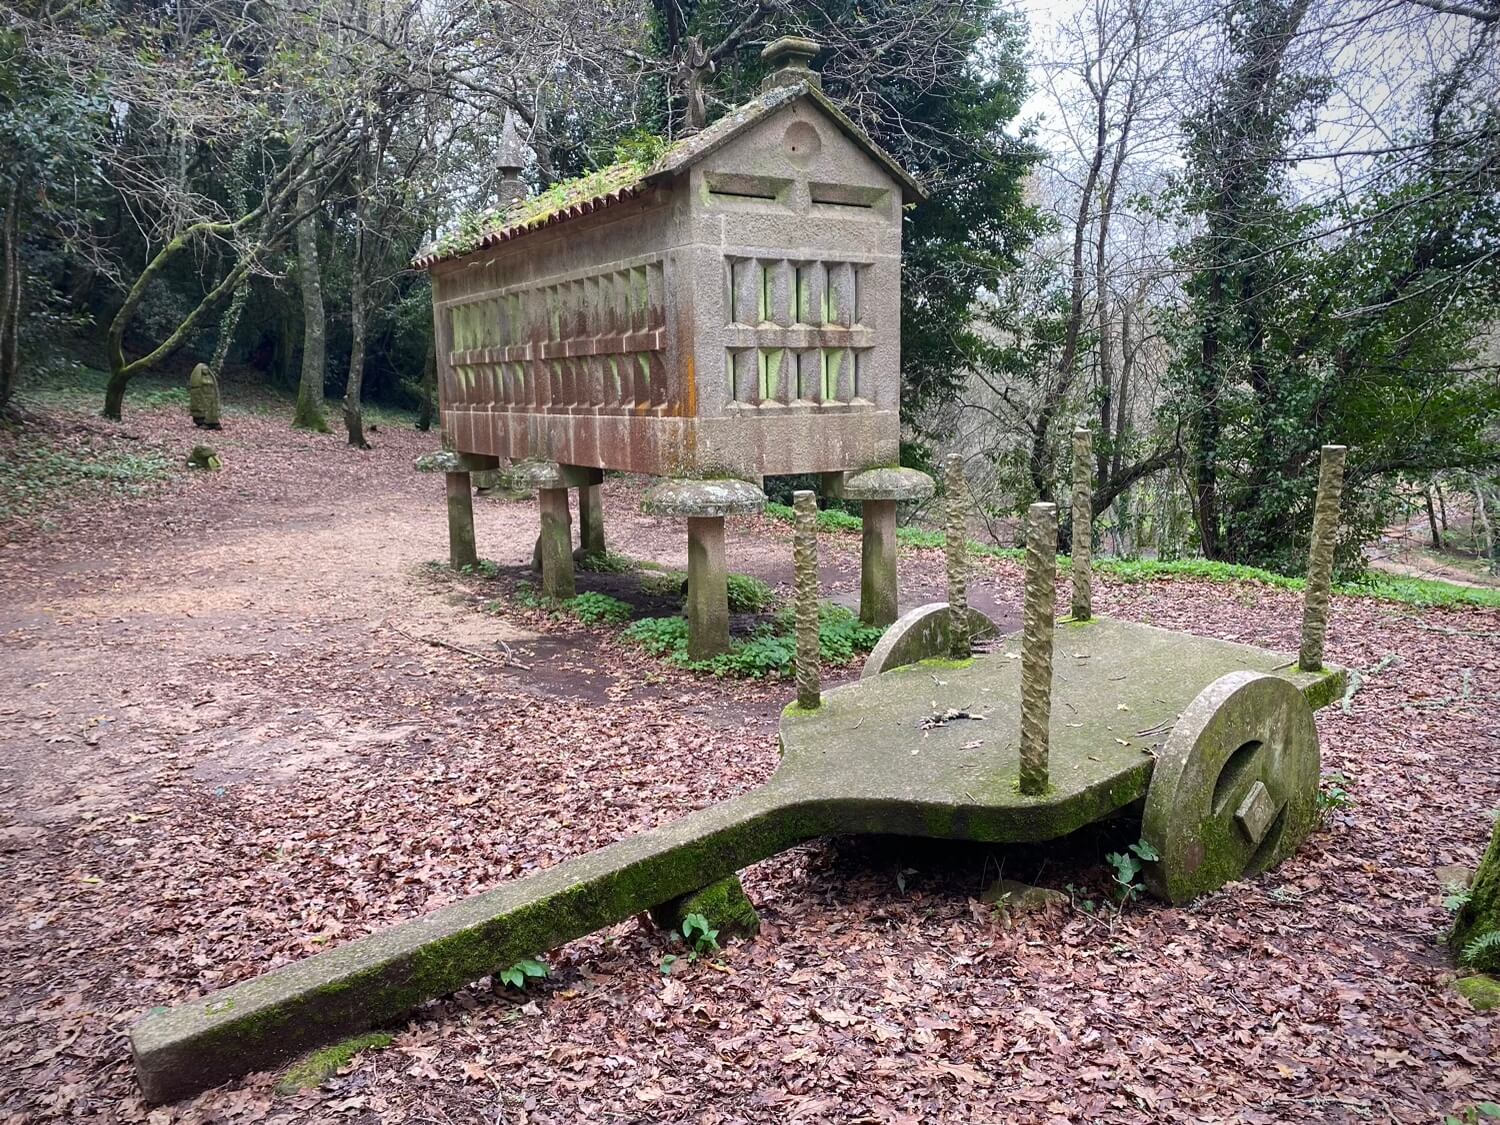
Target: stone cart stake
805	556
1325	532
1036	646
1083	524
956	545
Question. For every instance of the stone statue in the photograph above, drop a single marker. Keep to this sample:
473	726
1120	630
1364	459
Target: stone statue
203	397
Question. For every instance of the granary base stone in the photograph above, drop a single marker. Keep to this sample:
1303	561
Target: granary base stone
959	784
724	905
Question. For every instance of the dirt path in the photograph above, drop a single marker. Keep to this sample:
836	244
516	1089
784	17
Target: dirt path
224	743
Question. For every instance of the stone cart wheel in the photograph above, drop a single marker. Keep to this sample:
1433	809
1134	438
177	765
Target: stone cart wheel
1235	787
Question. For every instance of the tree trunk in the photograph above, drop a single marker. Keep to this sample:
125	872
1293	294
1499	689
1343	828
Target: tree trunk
309	414
1432	521
1482	517
427	409
353	420
10	296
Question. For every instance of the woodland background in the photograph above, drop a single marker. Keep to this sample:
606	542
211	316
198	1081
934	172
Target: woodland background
1218	232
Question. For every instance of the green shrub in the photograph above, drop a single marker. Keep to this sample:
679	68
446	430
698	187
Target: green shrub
598	609
919	537
767	653
607	563
747	594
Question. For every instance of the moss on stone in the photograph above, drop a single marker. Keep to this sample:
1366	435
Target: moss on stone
723	903
1480	915
1480	990
795	708
317	1067
941	662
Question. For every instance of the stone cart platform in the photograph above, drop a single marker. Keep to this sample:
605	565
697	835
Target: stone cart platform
1217	736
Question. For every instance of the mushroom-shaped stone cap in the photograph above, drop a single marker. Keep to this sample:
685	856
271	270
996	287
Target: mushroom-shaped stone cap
700	498
535	474
888	484
443	461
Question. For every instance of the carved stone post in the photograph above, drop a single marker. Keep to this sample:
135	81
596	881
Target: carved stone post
805	562
957	549
1083	524
462	551
1325	532
1036	646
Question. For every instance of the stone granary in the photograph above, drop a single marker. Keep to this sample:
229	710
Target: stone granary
727	311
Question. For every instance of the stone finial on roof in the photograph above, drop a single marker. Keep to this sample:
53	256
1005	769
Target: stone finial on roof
509	161
514	151
790	58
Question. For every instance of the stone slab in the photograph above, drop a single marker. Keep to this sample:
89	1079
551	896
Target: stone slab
888	484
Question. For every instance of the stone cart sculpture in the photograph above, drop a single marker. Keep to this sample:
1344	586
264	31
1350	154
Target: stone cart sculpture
1213	743
729	310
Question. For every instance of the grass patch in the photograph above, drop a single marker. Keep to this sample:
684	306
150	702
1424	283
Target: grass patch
608	563
765	654
829	519
36	472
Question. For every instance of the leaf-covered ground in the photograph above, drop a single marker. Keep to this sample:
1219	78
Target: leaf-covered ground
226	741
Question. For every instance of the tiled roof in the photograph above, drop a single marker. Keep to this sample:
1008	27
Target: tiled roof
619	182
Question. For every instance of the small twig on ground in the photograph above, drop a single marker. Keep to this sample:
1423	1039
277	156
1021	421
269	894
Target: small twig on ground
507	662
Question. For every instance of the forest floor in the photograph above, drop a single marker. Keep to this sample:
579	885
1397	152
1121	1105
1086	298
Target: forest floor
227	741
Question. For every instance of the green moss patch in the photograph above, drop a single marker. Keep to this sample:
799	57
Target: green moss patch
319	1066
1481	990
723	903
1476	928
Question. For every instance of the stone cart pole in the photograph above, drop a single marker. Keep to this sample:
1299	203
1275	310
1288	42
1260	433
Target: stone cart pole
705	504
805	562
878	492
957	548
1083	524
1325	531
1036	646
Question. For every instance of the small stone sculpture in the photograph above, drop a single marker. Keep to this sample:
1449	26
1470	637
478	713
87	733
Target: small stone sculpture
203	397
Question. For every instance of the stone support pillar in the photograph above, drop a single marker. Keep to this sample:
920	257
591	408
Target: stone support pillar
591	515
1037	621
462	551
708	588
879	491
705	504
1325	533
805	565
556	543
